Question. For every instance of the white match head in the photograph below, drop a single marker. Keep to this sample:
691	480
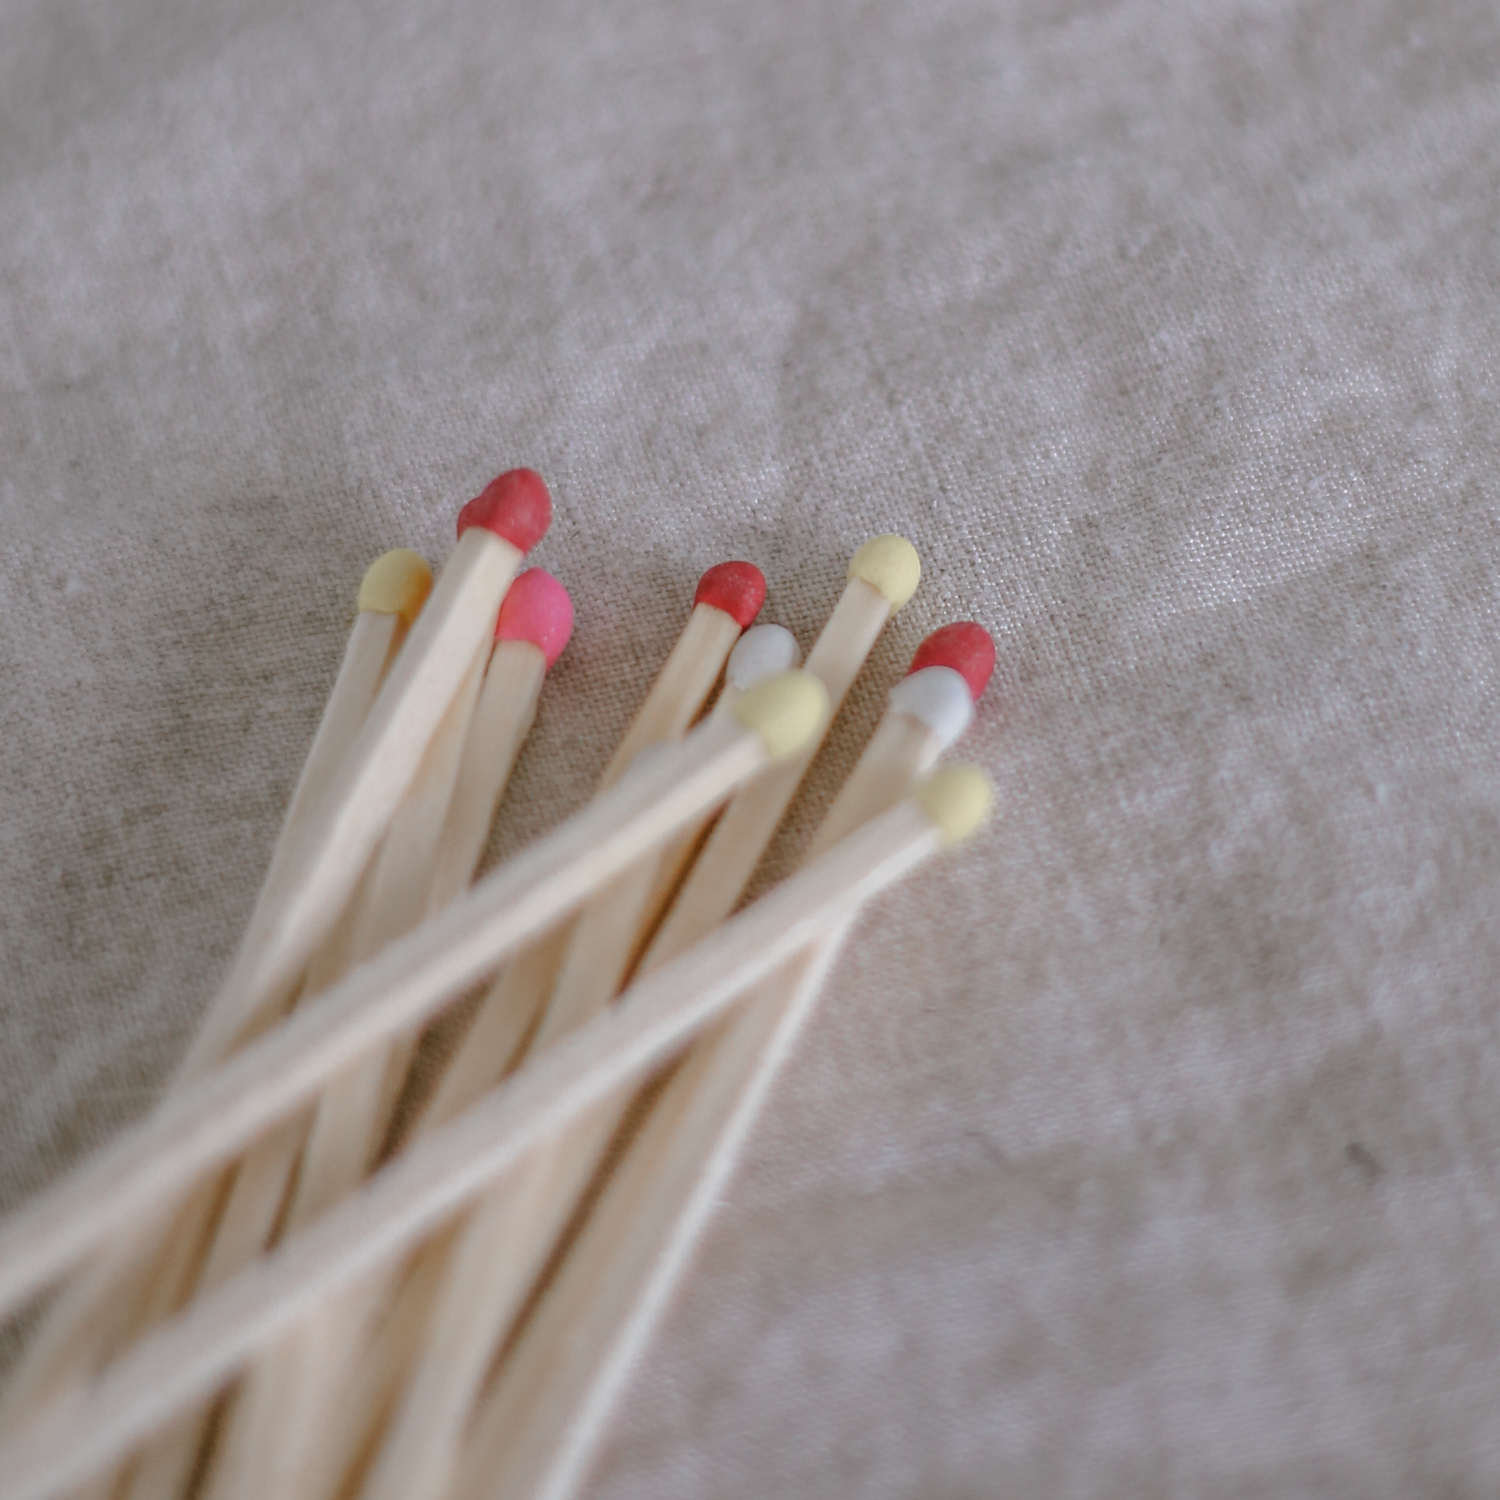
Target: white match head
762	651
937	697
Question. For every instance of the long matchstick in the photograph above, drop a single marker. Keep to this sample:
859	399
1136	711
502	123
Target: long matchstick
391	595
275	1414
422	863
728	597
726	600
499	1252
495	530
539	1424
355	1113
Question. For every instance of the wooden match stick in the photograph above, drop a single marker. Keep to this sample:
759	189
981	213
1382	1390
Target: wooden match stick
499	1253
95	1312
495	530
182	1361
280	1398
728	597
391	898
214	1118
538	1425
355	1113
391	596
726	600
534	627
609	929
342	815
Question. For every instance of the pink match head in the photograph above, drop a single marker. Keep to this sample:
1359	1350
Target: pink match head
516	507
537	609
963	646
737	588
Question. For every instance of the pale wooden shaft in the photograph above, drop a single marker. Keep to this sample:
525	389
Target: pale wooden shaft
363	1401
259	1182
173	1279
496	1038
508	1011
418	1447
609	929
97	1311
723	870
557	1384
509	1238
250	1217
501	1025
603	938
498	1255
682	686
537	1427
901	749
258	1192
278	1416
421	1188
422	864
263	1454
353	815
350	1121
400	988
501	721
500	1251
516	999
373	643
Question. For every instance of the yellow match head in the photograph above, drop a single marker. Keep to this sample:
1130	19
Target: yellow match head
396	583
786	711
958	799
890	564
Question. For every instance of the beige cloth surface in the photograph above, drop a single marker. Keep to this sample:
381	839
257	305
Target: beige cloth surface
1151	1147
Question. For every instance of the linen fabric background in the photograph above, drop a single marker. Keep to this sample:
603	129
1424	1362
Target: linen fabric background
1149	1146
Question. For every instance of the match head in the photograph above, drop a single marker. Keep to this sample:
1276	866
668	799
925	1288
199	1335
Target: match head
537	609
396	583
763	651
958	799
937	697
736	588
516	507
786	711
963	646
890	564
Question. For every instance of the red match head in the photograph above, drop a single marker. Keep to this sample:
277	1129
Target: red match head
737	588
537	609
963	646
516	507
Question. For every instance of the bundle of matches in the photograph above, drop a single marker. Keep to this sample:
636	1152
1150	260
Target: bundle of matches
286	1283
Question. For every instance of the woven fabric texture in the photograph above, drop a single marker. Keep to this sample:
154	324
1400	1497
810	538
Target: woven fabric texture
1150	1146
